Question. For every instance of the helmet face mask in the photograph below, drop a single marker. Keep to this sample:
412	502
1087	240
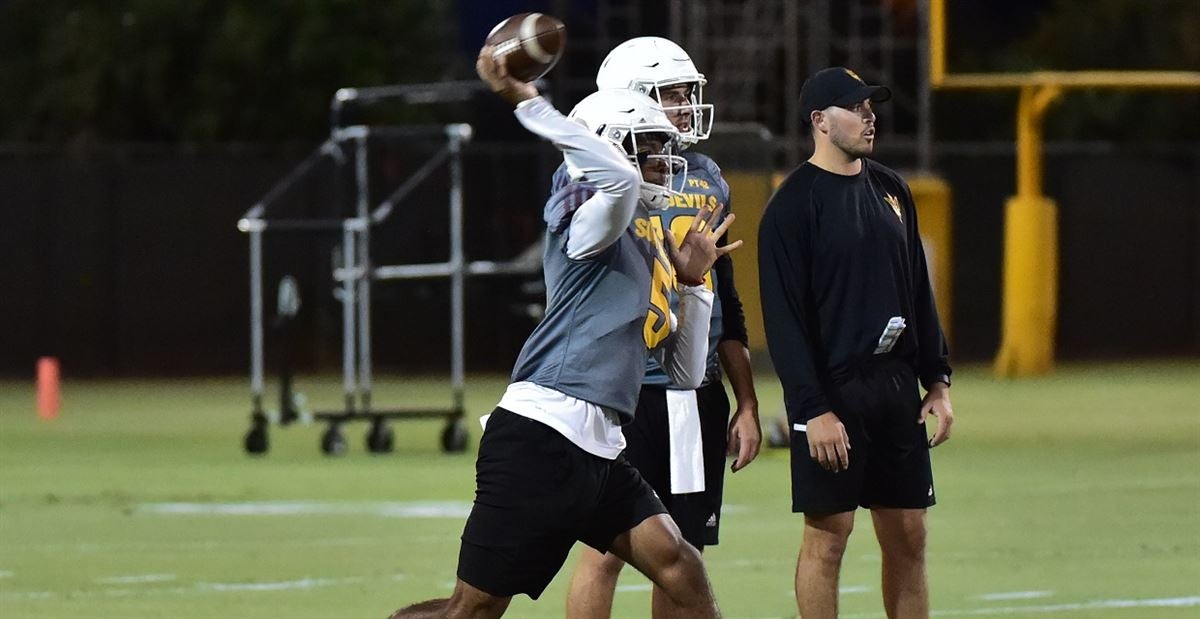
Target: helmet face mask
636	124
699	114
656	155
653	66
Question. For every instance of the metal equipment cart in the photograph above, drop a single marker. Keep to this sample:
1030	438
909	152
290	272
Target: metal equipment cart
356	272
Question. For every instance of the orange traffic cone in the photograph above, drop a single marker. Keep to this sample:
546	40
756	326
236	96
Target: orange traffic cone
47	388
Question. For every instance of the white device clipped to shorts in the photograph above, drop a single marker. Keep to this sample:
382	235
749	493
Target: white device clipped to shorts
891	333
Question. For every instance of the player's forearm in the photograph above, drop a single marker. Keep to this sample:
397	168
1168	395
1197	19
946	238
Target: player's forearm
601	163
684	356
599	222
733	317
735	360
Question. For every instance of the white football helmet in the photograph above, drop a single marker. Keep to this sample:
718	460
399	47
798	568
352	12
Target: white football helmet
649	64
632	121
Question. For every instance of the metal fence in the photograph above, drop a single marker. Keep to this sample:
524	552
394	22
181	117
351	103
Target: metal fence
125	260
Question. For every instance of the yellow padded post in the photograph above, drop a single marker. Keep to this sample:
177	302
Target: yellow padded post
1030	305
934	216
1029	322
749	192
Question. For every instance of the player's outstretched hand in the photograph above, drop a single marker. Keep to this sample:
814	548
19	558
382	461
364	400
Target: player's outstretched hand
828	442
937	403
696	253
494	72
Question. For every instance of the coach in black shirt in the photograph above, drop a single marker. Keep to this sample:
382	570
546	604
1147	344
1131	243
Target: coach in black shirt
852	329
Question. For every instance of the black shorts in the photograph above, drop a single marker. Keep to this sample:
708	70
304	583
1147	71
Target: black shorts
648	448
537	493
880	405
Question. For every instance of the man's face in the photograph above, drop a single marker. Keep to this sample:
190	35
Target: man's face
679	97
654	169
851	128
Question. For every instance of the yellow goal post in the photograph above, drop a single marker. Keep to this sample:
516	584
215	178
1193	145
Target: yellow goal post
1030	282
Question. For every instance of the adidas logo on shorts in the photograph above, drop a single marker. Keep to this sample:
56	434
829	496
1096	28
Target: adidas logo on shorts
712	520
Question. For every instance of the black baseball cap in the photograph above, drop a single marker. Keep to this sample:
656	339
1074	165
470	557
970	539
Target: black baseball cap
837	86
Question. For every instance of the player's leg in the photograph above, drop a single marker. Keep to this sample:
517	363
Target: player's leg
898	489
698	515
656	548
901	534
593	585
594	582
660	602
714	431
466	602
630	522
820	563
429	609
532	484
828	501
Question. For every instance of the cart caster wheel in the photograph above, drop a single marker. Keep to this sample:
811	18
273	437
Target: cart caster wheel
454	437
332	441
255	441
380	438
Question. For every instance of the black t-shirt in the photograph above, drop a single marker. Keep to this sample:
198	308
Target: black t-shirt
838	257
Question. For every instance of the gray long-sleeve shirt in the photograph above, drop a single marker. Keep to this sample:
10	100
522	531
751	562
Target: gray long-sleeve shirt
601	260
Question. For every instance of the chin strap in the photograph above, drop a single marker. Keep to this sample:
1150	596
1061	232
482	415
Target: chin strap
655	197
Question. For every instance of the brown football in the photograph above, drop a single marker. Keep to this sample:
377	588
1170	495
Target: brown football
532	43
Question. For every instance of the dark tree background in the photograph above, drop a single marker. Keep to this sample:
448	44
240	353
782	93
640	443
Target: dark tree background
1028	35
211	71
264	70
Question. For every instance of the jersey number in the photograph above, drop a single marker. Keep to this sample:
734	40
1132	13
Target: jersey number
662	281
658	325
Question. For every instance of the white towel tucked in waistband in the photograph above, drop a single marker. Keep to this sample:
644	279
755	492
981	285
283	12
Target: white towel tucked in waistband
687	450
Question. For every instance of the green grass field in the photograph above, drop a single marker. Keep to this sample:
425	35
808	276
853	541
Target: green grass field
1076	495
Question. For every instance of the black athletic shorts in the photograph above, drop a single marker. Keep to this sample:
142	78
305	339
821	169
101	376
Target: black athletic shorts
648	448
537	493
879	404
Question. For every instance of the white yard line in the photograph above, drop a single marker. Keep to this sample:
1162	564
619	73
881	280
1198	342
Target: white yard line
1179	602
1014	595
7	574
27	595
93	547
285	585
202	588
753	563
385	509
640	587
136	579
